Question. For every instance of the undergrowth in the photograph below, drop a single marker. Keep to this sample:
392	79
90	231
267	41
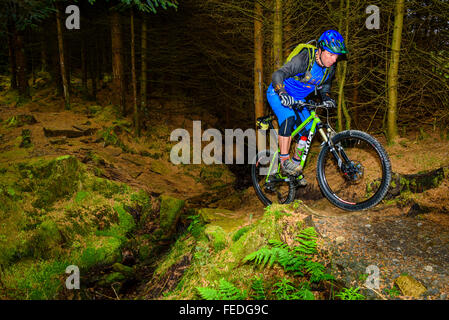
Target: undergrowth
297	261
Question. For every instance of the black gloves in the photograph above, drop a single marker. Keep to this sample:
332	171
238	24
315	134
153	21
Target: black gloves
329	102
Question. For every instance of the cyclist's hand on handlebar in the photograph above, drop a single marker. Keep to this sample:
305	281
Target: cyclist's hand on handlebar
286	99
329	102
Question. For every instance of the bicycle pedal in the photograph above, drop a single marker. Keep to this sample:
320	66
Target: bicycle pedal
301	182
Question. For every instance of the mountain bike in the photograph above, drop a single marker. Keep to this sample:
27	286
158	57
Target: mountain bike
353	169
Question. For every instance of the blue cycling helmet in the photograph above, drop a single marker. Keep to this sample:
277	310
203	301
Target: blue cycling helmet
332	41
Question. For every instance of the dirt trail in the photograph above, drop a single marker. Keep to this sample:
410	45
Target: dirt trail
385	236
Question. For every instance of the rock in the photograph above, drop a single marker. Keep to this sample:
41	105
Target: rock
128	272
158	167
222	217
69	132
59	141
340	240
50	180
428	268
216	236
431	292
45	243
409	286
112	278
169	213
100	251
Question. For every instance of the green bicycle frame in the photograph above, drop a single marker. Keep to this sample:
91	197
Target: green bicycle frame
315	121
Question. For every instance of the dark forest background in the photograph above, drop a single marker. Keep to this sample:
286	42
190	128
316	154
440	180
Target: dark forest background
202	52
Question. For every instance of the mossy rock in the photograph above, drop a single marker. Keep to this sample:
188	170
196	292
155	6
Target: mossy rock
159	167
256	237
34	280
224	218
170	211
100	250
106	188
51	180
216	236
234	201
409	286
128	272
46	241
112	278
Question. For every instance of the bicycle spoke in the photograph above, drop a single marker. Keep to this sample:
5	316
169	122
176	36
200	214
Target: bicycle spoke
355	181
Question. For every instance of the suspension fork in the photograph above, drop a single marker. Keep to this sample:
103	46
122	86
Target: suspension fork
336	150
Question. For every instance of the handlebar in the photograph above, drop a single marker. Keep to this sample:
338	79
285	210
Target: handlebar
309	104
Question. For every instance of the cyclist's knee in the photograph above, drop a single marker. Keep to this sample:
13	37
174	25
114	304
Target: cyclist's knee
287	126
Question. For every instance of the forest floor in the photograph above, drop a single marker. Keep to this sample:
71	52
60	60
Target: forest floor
389	236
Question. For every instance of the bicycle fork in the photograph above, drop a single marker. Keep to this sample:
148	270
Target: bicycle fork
336	150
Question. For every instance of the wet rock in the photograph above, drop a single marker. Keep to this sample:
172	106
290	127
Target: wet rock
409	286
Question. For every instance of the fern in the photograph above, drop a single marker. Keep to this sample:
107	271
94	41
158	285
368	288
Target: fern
257	287
208	293
226	291
350	294
307	241
229	292
283	289
264	255
304	293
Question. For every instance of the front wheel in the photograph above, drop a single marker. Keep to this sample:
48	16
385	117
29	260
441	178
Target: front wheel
355	174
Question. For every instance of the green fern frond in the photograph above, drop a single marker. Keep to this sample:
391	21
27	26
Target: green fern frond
207	293
263	255
229	292
258	288
277	244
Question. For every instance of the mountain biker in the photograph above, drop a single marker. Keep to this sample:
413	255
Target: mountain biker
292	83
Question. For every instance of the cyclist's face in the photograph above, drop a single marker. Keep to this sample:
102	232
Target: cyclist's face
328	58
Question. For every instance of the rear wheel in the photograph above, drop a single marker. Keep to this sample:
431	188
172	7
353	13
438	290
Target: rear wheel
269	184
363	177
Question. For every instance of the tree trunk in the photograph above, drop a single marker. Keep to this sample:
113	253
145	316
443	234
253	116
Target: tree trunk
277	34
258	61
134	78
22	80
12	53
341	72
117	62
355	93
93	73
44	57
392	127
62	60
83	66
143	76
